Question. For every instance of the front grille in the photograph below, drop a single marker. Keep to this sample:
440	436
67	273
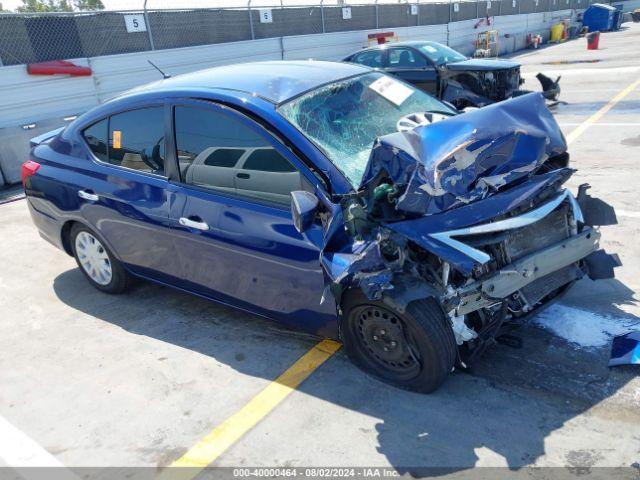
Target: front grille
505	247
543	286
545	232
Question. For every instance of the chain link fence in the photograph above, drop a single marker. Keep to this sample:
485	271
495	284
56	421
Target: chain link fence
29	38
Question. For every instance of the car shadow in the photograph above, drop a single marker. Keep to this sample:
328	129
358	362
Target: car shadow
508	405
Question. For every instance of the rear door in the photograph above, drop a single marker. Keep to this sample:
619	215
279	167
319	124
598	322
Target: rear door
412	67
124	194
241	247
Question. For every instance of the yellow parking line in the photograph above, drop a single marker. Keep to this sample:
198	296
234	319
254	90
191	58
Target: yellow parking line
233	428
576	132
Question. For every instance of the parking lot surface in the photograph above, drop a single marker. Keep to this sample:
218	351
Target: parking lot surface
139	379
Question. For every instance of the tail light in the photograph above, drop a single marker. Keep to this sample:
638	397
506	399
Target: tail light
29	168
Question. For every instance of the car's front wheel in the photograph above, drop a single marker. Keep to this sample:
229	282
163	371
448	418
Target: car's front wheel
96	262
414	350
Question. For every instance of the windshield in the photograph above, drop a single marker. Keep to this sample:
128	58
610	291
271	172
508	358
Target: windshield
344	118
440	54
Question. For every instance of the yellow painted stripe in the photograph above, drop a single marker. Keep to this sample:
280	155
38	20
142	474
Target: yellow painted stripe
576	132
232	429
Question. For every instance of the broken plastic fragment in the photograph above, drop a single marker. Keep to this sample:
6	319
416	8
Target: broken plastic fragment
601	264
460	329
625	349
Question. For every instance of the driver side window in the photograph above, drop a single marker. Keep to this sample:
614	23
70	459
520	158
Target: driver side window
405	58
133	139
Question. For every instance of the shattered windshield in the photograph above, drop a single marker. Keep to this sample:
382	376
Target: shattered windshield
344	118
440	54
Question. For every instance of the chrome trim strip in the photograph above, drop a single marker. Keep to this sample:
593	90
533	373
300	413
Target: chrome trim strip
510	223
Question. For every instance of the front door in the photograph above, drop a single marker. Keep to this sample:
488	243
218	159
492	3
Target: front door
236	238
412	67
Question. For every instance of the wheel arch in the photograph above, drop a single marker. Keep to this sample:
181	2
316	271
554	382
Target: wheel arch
398	299
65	237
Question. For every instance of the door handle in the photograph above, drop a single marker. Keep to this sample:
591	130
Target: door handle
88	195
187	222
243	175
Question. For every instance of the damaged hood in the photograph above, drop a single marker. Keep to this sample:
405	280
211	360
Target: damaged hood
467	157
482	65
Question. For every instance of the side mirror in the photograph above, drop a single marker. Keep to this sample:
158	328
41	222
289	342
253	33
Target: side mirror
303	209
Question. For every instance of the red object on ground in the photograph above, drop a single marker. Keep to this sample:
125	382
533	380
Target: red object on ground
29	168
593	39
58	67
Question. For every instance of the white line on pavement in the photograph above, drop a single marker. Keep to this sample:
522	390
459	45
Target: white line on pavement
602	124
17	450
627	213
582	71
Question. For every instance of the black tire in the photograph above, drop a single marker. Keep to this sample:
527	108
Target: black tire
119	280
421	364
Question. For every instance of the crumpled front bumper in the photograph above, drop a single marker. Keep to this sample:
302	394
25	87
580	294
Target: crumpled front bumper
523	272
552	266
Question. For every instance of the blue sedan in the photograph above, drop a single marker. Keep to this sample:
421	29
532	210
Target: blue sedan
328	196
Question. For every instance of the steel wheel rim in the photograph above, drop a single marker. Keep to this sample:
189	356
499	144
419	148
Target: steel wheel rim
93	258
383	336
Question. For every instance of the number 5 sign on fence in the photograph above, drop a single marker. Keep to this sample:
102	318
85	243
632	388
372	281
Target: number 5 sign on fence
135	23
265	15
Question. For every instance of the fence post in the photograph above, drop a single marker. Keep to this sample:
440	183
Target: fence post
377	18
450	17
250	19
477	8
418	19
322	14
146	20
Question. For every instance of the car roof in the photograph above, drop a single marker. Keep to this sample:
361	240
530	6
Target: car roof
406	43
275	81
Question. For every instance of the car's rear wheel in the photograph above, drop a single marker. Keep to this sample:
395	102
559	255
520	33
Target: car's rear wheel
414	350
96	262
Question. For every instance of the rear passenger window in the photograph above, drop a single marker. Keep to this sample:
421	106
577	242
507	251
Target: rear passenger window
218	151
224	157
97	138
136	140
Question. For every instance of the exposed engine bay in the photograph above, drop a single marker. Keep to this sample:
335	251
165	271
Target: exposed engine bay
469	88
471	211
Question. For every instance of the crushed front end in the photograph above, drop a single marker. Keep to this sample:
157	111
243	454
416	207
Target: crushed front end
477	88
470	211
